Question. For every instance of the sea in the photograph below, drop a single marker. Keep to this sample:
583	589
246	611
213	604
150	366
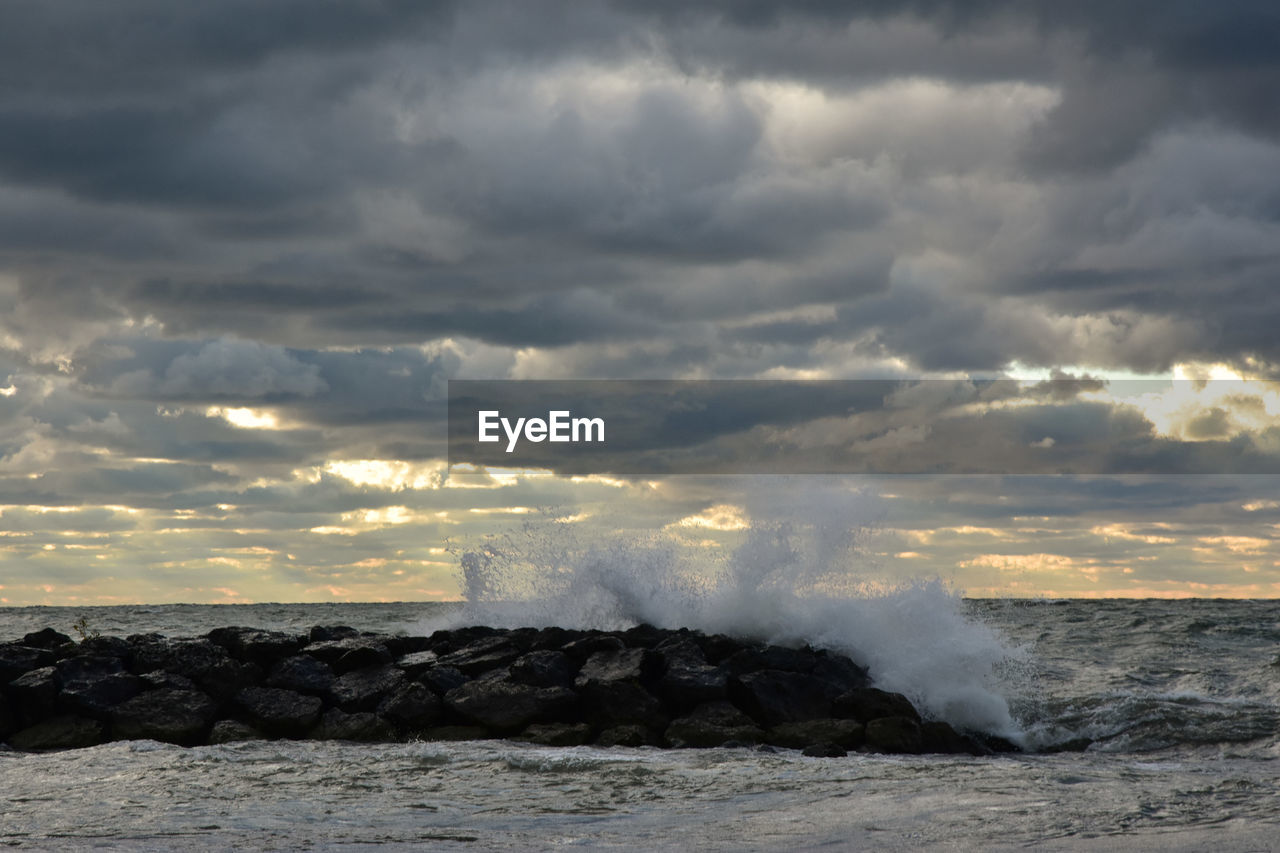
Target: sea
1168	710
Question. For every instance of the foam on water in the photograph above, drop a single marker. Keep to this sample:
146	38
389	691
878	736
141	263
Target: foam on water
796	579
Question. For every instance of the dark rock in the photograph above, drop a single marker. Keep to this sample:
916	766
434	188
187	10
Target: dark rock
712	724
940	737
825	750
327	633
644	636
158	679
545	668
554	638
112	647
64	732
687	682
613	665
35	694
869	703
173	716
17	659
363	689
774	696
995	743
847	733
401	645
335	652
482	655
507	706
628	735
412	706
777	658
895	734
46	638
615	703
97	693
457	733
718	647
840	673
8	721
556	734
590	644
256	646
416	663
302	673
360	726
231	731
442	679
282	713
207	664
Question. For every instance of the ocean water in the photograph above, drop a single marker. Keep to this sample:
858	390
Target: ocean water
1180	700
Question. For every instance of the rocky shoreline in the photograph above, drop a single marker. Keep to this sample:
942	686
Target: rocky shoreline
552	686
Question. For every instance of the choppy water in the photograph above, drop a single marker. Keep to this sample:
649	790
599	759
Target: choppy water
1181	700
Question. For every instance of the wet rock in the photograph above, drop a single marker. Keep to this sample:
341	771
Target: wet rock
615	703
35	694
63	732
825	750
349	653
8	721
281	713
940	737
775	696
545	668
442	679
363	689
689	680
302	673
158	679
779	658
553	637
613	665
412	706
207	664
556	734
256	646
327	633
869	703
17	659
895	734
712	724
643	636
1079	744
416	663
482	655
507	706
847	733
172	716
995	743
94	685
232	731
46	638
839	673
718	647
336	724
589	644
112	647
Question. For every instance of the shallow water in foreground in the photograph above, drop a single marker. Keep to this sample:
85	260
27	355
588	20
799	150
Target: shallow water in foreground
1180	700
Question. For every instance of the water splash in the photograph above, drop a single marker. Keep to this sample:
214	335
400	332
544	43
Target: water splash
791	580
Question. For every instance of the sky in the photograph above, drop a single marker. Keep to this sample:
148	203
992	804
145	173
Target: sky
244	246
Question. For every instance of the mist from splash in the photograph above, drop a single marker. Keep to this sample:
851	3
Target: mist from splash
800	574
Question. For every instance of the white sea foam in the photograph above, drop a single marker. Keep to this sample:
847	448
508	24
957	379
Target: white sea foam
798	576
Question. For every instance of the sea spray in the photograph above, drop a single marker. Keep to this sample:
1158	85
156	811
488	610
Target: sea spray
789	581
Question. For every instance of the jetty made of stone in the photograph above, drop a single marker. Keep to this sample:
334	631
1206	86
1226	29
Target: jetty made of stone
644	686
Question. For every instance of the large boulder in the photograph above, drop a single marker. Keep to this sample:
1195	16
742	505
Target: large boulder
35	694
846	733
482	655
254	645
173	716
209	665
62	732
17	659
687	679
869	703
556	734
774	696
712	724
94	684
363	689
506	706
46	638
281	713
336	724
412	706
350	653
546	668
895	734
302	673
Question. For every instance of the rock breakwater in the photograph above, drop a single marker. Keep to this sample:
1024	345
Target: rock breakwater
644	686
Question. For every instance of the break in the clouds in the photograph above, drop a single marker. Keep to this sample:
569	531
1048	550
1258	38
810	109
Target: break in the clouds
243	247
